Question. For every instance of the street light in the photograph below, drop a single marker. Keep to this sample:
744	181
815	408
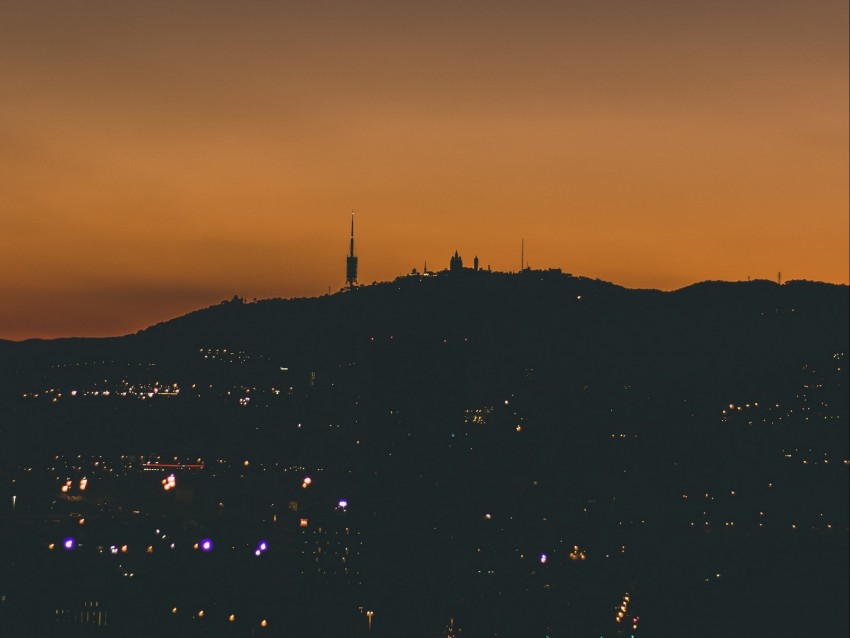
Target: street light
369	615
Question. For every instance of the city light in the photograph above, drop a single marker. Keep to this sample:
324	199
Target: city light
169	483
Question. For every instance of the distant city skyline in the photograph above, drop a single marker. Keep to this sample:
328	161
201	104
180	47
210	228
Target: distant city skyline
158	158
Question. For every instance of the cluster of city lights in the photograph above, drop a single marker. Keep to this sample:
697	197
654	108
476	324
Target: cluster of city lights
200	614
66	487
205	545
169	483
623	609
577	554
68	544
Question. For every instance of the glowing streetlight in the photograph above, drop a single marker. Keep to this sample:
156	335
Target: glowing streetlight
369	615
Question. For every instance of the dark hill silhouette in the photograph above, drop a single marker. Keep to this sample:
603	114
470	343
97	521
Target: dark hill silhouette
717	331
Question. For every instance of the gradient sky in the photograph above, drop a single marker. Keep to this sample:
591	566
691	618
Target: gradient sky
160	156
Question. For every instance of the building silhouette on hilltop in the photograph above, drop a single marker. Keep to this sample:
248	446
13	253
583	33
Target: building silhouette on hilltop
456	263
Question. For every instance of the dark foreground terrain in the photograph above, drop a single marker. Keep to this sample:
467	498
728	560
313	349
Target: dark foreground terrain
468	454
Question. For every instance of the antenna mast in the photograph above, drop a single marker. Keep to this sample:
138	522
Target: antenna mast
351	260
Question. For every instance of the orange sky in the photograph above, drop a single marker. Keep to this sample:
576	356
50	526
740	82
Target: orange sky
160	156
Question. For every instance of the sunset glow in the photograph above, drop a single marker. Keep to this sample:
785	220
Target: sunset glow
160	157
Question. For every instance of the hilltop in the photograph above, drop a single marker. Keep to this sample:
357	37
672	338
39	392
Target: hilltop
495	323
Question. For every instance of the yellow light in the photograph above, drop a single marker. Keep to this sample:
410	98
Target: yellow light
174	610
264	623
232	617
201	614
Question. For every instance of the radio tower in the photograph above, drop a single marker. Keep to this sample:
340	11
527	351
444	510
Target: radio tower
351	260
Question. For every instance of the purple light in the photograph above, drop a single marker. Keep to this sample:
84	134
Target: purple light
342	504
263	546
69	543
543	558
206	545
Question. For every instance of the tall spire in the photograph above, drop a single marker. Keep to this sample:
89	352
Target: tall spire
351	260
351	244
